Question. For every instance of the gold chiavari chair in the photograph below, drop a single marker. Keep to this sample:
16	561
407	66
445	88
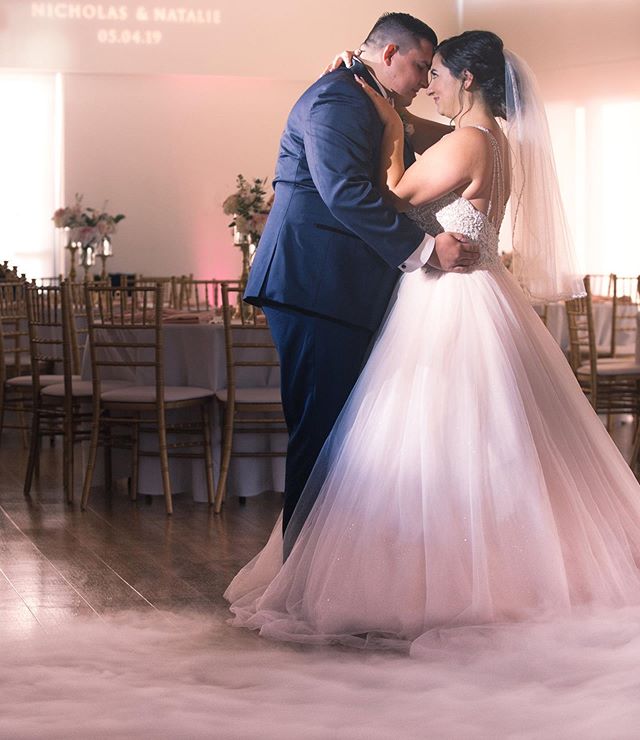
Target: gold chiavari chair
635	452
15	363
624	320
198	295
5	271
246	409
612	385
125	334
10	274
602	290
169	286
602	286
54	280
57	408
201	294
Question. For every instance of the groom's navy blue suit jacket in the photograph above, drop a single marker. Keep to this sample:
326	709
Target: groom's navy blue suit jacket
330	245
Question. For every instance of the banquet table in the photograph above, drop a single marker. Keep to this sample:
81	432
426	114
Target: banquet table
194	355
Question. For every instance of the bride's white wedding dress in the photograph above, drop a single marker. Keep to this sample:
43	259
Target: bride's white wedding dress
467	480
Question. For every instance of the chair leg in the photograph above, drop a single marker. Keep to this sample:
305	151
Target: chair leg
106	450
36	466
71	470
67	454
72	455
34	452
23	424
3	391
66	464
164	460
609	422
208	457
135	462
225	457
635	452
91	462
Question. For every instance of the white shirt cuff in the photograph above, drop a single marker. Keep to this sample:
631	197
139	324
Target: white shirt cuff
420	257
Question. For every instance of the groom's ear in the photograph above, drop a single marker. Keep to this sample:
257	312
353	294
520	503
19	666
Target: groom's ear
388	52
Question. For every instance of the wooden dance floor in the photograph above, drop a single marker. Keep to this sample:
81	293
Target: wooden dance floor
56	561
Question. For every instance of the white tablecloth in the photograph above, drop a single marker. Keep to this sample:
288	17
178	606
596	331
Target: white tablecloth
602	316
195	355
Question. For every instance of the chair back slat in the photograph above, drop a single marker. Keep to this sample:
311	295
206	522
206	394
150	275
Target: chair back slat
624	323
169	285
248	342
14	333
52	338
582	340
125	332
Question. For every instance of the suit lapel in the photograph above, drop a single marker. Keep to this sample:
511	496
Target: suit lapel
361	70
358	68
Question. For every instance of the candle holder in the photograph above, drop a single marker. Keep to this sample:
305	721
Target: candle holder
104	251
87	259
72	247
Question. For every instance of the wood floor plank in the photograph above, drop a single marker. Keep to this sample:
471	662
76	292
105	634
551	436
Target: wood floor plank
119	555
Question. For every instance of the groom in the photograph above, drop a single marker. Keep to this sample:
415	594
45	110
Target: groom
332	250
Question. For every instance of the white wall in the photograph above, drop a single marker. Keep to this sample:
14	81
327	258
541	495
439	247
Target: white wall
165	151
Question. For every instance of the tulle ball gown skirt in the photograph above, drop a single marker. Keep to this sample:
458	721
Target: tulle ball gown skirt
467	481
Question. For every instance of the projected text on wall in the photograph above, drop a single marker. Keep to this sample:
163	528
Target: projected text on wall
125	37
130	25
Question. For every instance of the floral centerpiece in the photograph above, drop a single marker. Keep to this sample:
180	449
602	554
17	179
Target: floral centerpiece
250	208
89	229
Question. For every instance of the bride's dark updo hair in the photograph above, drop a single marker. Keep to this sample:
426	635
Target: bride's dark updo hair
482	53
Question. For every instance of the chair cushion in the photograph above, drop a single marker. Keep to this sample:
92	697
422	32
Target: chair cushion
147	394
252	395
81	388
612	366
26	381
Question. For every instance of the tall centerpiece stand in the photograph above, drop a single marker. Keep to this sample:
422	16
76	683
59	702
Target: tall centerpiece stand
249	208
73	245
103	253
243	241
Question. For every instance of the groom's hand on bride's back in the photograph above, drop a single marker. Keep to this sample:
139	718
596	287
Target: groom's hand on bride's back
454	253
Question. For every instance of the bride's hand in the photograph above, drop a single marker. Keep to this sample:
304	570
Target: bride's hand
343	58
388	114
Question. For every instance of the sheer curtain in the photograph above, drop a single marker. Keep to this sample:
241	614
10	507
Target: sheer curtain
31	173
598	156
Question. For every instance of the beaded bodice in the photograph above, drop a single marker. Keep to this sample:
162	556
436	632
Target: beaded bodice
451	212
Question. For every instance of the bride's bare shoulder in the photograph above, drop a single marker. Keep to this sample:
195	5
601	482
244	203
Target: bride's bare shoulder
460	144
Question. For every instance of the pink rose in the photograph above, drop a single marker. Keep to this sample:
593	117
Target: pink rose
60	218
230	205
258	222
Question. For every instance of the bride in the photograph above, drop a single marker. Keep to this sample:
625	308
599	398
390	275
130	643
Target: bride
468	479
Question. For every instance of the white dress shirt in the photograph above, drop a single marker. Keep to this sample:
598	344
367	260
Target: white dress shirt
420	257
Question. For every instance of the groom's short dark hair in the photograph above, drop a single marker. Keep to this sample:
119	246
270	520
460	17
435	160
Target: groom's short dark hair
393	27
